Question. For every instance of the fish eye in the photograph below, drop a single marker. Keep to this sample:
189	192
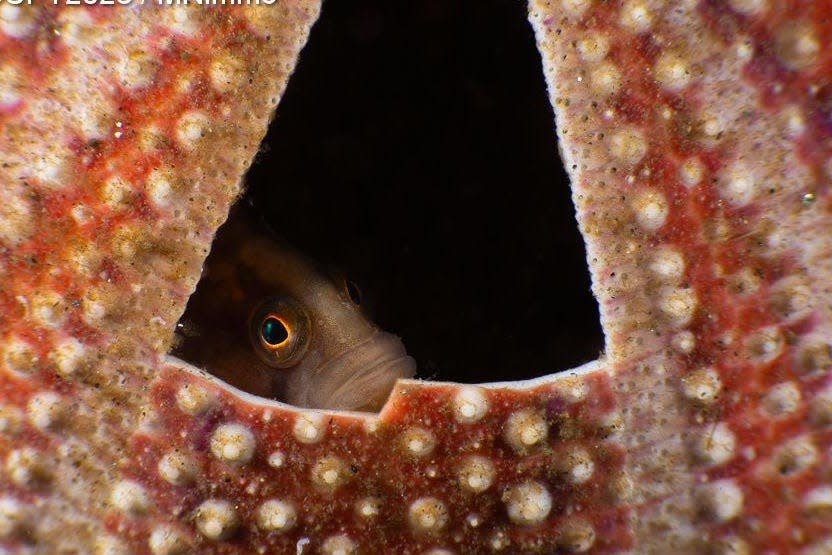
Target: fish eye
353	292
279	331
274	332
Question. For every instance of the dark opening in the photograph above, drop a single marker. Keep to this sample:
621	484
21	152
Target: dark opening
415	150
353	291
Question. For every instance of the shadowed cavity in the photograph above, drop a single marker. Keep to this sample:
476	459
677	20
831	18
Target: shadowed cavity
414	150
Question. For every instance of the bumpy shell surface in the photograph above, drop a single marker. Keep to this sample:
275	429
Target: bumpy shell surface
697	138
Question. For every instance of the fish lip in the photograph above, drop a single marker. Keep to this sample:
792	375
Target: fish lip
364	374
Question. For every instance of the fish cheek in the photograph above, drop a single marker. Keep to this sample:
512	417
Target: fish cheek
248	374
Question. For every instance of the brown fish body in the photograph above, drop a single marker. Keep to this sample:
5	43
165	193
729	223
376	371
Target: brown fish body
329	355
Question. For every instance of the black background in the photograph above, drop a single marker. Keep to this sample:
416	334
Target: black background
415	150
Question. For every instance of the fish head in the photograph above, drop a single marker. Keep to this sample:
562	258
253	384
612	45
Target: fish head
269	321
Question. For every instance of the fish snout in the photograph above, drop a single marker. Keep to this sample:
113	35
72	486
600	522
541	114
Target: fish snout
360	378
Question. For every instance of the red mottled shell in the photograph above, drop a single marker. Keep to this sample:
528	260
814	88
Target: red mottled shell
698	139
697	136
124	134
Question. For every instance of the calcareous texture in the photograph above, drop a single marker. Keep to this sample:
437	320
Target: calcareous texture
697	138
124	134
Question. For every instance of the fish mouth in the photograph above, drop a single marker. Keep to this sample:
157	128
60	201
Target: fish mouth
359	379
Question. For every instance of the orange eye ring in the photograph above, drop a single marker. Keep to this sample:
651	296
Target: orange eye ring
275	332
279	331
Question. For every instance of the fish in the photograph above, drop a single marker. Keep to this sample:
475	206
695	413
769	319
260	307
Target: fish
267	320
695	136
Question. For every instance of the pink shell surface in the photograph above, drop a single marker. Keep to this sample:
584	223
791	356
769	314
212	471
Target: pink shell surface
697	138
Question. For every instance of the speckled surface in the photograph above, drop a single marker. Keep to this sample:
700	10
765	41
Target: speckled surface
697	137
125	133
697	140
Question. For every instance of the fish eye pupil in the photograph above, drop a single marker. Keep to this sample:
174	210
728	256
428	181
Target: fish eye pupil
273	331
